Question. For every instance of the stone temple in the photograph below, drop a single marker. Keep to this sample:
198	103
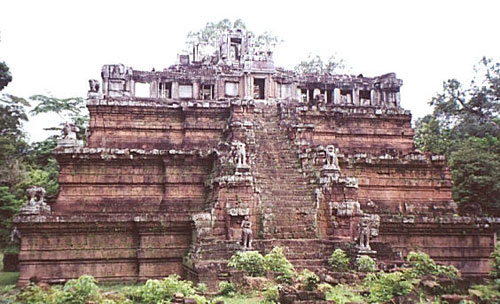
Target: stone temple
226	145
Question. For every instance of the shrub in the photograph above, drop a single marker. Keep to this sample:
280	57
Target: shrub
384	286
276	262
486	293
339	261
271	294
156	292
201	288
495	263
366	264
226	289
80	291
250	261
421	264
309	279
342	294
32	294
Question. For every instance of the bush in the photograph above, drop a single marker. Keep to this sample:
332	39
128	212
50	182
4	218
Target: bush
486	293
342	294
77	291
276	262
33	294
201	288
80	291
495	263
421	264
385	286
250	261
158	292
271	294
226	289
309	279
339	261
366	264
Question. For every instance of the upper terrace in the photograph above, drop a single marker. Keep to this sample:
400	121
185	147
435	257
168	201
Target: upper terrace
243	68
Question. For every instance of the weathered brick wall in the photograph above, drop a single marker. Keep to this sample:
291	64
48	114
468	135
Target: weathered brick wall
446	239
120	185
116	249
149	125
392	183
356	130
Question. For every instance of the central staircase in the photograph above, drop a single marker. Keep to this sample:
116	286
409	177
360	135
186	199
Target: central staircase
287	199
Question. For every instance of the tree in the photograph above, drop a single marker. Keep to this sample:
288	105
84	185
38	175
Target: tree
464	126
314	64
475	167
5	76
68	109
209	35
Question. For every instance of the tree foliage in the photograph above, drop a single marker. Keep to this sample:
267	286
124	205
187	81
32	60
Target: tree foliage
314	64
464	126
5	76
209	35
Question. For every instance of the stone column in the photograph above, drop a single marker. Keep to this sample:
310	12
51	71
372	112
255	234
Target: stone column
355	96
196	90
175	90
153	89
336	96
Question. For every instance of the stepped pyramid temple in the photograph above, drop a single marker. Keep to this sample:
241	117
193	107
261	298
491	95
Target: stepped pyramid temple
227	146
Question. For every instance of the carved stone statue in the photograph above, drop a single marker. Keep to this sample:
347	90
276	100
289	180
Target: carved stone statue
368	228
240	156
36	201
331	160
94	86
15	235
246	232
69	131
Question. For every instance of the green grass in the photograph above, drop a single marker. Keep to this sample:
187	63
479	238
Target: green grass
242	299
7	278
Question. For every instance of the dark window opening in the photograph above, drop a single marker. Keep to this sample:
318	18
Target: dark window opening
364	94
235	54
207	92
311	95
329	96
165	90
258	88
303	95
346	96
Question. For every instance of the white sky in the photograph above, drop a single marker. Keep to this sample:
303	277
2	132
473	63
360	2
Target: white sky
56	46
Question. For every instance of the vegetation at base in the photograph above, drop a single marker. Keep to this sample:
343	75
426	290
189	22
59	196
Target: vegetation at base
250	261
366	264
404	285
339	261
309	279
276	262
226	289
465	127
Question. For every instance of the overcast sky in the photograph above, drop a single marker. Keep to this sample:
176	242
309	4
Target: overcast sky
56	46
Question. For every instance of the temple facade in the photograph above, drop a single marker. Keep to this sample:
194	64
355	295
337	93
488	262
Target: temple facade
224	152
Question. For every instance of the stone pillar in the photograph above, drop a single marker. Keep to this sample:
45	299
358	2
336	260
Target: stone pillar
372	97
196	90
355	96
298	94
336	96
175	90
153	89
132	88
